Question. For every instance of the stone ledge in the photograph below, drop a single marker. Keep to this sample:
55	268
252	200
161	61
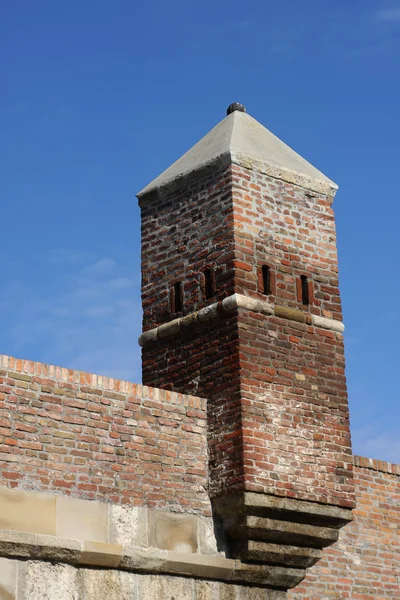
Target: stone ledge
230	305
266	504
296	178
49	548
275	530
37	580
67	517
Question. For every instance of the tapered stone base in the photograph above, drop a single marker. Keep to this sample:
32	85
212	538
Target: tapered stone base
273	531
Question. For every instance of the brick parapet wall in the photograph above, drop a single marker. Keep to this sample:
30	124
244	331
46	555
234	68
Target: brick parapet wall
99	438
376	465
364	564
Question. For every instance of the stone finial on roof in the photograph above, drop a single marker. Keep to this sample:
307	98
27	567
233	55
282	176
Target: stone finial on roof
235	106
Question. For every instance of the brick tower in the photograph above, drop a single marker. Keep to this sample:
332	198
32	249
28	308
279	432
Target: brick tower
241	305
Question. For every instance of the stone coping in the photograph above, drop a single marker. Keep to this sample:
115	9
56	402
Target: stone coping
230	304
116	556
30	368
226	159
376	465
319	186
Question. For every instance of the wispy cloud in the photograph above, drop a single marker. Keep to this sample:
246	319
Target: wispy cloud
121	283
388	14
374	442
381	447
99	311
104	265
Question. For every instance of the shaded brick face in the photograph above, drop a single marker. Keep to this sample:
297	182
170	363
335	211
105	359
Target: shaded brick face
289	431
184	233
364	563
206	361
97	438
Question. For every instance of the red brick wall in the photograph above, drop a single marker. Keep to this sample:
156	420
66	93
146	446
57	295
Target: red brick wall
365	563
294	395
296	437
206	363
290	229
185	231
278	413
97	438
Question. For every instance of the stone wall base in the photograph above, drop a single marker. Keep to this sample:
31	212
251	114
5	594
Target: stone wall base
37	580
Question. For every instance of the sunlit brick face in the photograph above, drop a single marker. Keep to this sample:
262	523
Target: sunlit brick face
291	229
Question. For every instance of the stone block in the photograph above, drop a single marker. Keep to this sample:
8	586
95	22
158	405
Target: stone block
156	587
253	593
207	536
45	581
127	525
287	532
271	576
52	548
27	511
84	520
147	559
289	556
171	531
207	590
16	543
95	584
228	592
8	578
196	565
101	555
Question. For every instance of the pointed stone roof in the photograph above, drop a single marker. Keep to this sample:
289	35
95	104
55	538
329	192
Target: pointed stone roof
247	143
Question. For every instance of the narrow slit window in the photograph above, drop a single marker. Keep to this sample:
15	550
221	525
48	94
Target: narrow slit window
266	280
304	290
209	285
178	297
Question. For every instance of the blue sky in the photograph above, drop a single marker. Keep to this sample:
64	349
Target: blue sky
99	97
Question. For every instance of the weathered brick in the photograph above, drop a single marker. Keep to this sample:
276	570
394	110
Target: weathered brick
251	365
59	435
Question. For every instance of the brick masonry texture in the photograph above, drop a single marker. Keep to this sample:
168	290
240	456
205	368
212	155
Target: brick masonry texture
278	412
206	364
364	563
98	438
183	234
